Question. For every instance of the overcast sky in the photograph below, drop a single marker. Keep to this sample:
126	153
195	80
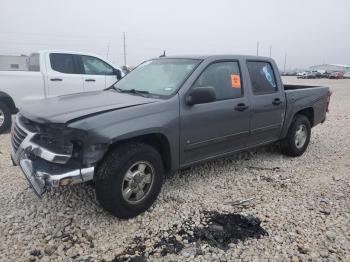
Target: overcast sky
309	32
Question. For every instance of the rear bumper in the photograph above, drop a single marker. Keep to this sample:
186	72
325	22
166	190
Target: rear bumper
44	169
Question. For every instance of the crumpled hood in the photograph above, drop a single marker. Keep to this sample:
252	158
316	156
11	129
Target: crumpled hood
67	108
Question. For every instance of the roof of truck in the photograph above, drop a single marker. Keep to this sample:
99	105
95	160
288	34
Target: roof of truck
223	56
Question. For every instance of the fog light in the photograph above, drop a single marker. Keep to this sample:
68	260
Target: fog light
66	181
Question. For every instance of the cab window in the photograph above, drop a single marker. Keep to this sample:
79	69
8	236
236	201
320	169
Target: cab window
95	66
225	77
63	63
262	77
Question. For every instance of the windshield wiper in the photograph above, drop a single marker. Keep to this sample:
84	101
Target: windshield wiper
133	91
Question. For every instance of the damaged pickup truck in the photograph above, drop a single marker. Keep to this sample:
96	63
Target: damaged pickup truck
167	114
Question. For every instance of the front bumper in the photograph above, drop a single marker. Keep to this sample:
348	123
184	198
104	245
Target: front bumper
43	168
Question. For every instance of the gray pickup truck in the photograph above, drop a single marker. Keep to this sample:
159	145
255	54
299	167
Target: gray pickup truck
167	114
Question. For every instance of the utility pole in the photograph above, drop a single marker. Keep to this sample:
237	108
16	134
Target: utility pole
257	48
285	62
270	49
124	48
109	43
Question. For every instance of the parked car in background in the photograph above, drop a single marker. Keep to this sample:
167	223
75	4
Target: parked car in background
325	74
301	74
289	73
336	75
53	73
309	75
347	75
167	114
318	74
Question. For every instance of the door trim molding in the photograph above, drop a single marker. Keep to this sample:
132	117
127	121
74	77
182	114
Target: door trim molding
265	129
196	145
209	158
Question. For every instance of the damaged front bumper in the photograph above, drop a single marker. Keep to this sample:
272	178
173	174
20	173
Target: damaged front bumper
41	167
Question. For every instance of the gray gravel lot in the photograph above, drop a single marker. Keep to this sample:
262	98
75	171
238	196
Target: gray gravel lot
303	205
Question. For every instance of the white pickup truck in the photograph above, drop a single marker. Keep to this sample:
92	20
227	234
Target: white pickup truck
53	73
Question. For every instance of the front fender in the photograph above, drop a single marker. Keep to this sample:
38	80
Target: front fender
112	127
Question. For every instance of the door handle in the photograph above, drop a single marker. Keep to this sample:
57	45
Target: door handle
276	102
55	79
90	80
241	107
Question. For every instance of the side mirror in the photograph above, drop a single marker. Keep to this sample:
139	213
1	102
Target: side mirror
117	73
201	95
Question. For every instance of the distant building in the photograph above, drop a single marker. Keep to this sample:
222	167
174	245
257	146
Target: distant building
13	63
331	67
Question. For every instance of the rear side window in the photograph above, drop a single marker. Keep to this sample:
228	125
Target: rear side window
95	66
224	77
262	77
33	62
63	63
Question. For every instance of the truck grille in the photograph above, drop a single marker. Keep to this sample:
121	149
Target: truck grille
18	135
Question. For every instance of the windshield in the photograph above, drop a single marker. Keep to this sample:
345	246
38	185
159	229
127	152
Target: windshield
159	77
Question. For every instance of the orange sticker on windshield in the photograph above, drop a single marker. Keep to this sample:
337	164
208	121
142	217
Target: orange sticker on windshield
235	81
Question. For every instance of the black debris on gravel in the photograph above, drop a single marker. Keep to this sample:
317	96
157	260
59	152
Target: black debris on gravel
169	246
35	253
130	259
219	231
134	253
224	229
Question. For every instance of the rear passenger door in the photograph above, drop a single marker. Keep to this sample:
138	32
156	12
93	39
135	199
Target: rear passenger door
219	127
97	74
268	102
63	75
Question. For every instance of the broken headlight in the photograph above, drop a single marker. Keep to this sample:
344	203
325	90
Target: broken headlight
56	144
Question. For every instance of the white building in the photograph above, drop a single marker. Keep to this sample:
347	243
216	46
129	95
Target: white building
330	67
12	62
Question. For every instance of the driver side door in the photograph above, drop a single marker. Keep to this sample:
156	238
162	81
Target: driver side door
219	127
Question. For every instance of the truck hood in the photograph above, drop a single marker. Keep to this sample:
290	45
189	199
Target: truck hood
68	108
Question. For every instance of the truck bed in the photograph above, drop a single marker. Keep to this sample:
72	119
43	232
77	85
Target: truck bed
296	87
303	96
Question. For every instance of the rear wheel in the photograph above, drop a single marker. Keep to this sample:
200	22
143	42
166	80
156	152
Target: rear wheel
5	117
298	137
129	179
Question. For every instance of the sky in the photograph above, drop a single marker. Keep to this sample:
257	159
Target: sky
305	32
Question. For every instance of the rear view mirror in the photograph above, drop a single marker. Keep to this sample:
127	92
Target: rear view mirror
201	95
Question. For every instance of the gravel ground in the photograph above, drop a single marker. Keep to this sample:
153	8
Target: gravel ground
302	203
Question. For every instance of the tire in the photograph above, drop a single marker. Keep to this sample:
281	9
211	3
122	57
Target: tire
5	117
290	145
111	179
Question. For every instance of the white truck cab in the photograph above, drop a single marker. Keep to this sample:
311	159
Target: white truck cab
53	73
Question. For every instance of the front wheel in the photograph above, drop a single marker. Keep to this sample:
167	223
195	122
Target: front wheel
129	179
298	137
5	117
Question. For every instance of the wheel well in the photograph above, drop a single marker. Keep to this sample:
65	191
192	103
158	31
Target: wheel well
5	98
157	141
309	113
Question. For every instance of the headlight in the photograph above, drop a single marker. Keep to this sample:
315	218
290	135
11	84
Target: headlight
55	144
